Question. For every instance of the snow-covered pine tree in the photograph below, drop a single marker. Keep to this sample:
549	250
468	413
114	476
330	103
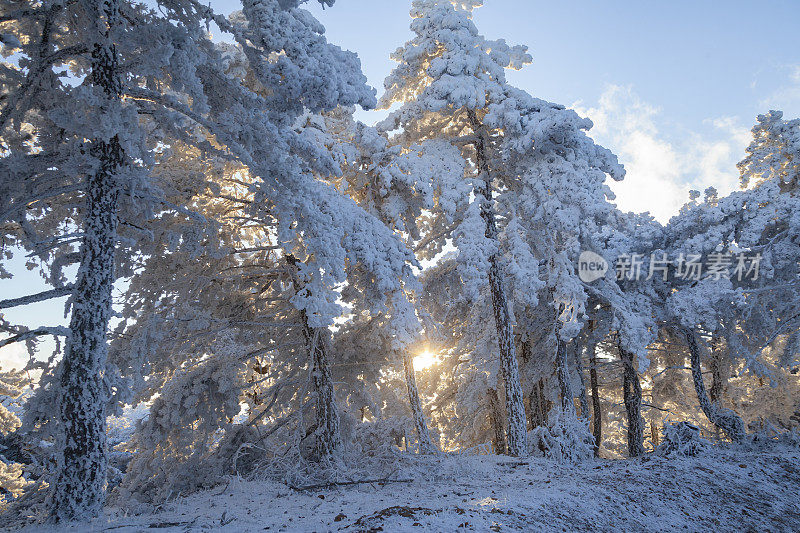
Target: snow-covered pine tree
466	384
391	183
328	439
773	154
628	307
79	129
552	191
452	87
86	139
254	288
398	184
750	300
447	77
553	196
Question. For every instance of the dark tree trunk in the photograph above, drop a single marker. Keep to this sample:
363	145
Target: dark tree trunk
597	412
538	403
632	394
564	385
526	353
496	419
79	490
719	375
725	419
584	401
654	434
328	439
515	409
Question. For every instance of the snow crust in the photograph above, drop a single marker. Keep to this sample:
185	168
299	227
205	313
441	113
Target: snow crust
720	489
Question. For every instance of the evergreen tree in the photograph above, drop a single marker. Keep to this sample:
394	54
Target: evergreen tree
76	139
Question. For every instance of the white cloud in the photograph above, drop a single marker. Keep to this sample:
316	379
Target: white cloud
787	96
731	125
661	171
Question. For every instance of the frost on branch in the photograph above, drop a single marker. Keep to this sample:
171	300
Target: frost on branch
565	439
178	441
681	439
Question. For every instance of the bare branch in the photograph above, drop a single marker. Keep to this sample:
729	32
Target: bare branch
433	236
57	331
345	483
256	249
40	297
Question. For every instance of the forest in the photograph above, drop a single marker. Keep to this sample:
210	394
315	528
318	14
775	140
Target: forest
279	317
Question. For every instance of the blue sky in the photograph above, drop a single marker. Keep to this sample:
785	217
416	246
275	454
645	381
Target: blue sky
673	87
693	59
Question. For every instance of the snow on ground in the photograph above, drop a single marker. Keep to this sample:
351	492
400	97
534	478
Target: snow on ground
721	490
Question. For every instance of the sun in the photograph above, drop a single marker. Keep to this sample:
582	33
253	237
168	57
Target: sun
425	359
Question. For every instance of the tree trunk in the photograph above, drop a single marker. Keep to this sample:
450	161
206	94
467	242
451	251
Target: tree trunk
584	401
515	409
79	490
564	385
496	419
654	434
632	394
725	419
526	354
539	408
328	439
719	375
425	443
597	413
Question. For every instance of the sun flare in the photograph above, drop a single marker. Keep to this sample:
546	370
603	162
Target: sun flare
425	359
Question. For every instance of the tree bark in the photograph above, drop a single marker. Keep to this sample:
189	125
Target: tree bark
632	394
719	376
725	419
584	401
538	404
425	443
526	354
564	385
79	490
597	413
328	438
654	434
496	419
515	409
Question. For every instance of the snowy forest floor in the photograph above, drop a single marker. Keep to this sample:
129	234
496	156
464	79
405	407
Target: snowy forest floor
720	490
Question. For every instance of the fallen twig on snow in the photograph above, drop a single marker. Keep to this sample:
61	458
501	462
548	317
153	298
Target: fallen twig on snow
344	483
